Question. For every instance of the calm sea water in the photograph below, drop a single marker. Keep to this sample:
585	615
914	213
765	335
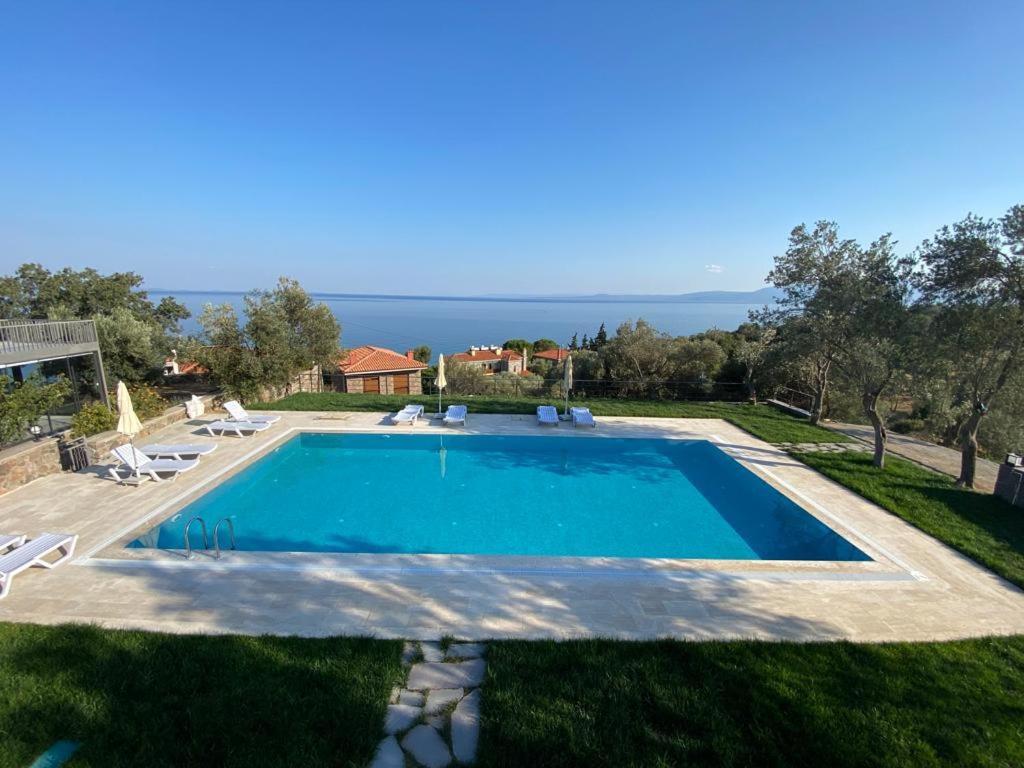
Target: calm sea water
498	495
448	325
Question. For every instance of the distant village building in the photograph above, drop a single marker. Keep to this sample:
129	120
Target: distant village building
554	355
175	367
492	359
379	371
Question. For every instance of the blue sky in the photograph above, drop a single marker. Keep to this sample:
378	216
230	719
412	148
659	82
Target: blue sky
478	147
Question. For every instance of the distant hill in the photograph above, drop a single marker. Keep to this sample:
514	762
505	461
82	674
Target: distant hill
761	296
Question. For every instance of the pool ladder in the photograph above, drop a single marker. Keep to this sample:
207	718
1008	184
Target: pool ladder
206	541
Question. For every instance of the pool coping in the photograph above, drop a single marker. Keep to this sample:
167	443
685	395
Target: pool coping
883	565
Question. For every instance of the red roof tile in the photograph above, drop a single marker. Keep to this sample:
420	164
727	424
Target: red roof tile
482	355
557	355
369	359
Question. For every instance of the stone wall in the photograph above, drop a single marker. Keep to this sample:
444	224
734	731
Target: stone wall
29	461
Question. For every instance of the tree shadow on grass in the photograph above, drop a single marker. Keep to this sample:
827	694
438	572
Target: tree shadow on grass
134	698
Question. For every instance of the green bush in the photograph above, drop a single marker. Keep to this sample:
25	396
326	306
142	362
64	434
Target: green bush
147	402
908	426
92	420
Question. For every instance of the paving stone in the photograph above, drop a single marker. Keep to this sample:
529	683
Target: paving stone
432	652
464	674
439	698
388	755
400	717
412	698
437	722
466	728
465	651
426	745
409	652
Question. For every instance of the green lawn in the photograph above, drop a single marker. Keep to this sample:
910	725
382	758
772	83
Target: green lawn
615	704
762	421
144	699
982	526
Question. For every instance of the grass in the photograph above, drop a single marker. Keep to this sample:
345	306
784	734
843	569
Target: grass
669	703
137	698
982	526
762	421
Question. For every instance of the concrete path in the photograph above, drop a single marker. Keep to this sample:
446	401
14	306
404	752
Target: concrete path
935	457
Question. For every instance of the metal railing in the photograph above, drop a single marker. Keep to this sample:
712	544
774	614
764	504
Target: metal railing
514	387
40	335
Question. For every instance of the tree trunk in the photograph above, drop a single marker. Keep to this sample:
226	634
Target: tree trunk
870	403
820	387
969	448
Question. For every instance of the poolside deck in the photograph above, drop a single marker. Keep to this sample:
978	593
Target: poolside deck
918	589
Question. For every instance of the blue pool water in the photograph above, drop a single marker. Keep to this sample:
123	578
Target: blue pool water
492	495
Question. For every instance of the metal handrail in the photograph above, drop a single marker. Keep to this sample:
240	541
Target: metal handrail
24	335
188	544
216	539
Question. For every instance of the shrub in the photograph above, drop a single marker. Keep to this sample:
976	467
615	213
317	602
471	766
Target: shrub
907	426
147	402
93	419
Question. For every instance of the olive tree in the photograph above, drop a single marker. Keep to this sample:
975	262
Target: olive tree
284	333
815	310
973	277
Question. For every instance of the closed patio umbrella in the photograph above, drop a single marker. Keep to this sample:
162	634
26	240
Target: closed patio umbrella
567	382
440	381
128	423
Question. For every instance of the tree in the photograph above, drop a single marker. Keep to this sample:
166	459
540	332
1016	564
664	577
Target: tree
815	310
973	271
134	354
585	344
880	339
518	345
21	404
465	379
639	353
574	343
422	353
542	345
600	339
285	333
696	360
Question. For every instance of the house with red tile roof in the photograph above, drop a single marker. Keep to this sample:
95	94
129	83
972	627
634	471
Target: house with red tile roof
492	359
554	355
378	370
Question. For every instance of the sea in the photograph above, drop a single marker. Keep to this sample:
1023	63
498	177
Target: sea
448	324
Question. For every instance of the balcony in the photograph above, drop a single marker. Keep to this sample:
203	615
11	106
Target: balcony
31	341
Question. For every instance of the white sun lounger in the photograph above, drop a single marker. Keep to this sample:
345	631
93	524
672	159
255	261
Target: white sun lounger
238	413
161	451
408	415
547	414
237	428
456	414
140	464
34	553
11	540
582	416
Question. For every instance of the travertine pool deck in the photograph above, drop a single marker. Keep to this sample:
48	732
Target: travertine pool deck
916	589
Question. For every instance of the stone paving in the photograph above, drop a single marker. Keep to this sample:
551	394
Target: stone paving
824	447
914	589
435	718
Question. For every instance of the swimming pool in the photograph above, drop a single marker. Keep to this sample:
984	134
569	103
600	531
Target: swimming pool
496	495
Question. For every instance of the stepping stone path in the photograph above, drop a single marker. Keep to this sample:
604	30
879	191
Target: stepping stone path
434	721
825	447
